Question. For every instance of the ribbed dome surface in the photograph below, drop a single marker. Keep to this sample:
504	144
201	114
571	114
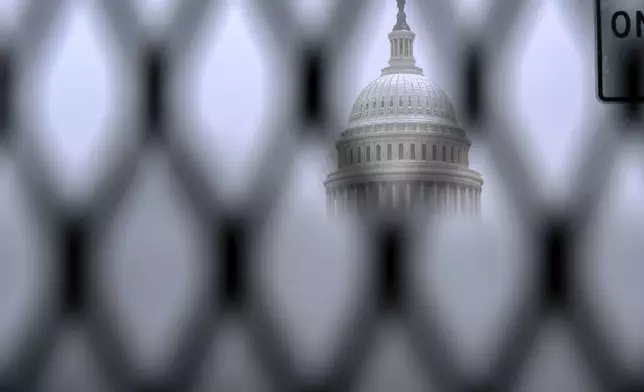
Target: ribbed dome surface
409	96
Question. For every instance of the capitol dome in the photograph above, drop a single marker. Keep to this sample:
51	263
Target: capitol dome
403	143
398	95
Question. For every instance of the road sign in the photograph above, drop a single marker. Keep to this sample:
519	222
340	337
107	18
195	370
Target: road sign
619	25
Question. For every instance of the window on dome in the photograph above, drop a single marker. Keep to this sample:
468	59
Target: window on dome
350	156
410	104
367	106
451	155
459	155
434	157
391	103
412	152
389	153
400	102
400	151
359	155
373	107
444	154
424	152
420	103
378	152
368	154
382	103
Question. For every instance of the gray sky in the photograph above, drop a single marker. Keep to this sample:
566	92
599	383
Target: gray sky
309	262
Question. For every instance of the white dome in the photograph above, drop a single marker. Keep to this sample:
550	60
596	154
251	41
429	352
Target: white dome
403	144
402	95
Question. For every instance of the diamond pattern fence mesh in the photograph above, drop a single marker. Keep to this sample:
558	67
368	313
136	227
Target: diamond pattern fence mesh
78	230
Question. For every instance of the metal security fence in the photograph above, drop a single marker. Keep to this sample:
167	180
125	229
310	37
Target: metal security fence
78	230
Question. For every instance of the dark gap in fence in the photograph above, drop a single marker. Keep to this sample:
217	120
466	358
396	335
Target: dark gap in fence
154	74
6	91
473	83
313	85
631	80
390	267
233	238
75	261
557	263
232	264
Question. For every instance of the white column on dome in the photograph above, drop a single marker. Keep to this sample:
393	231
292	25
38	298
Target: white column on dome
441	193
334	196
473	201
464	200
464	206
434	197
333	200
455	198
476	202
328	202
475	197
367	193
454	190
394	191
452	197
356	194
422	195
358	199
445	198
354	200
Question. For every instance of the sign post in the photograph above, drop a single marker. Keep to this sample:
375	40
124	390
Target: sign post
619	26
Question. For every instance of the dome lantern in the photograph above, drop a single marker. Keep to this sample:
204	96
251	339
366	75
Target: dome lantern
401	41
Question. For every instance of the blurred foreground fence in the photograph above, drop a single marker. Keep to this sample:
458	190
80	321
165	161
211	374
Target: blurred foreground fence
153	117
